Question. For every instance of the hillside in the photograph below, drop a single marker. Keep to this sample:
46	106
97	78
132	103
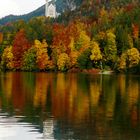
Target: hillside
11	18
61	6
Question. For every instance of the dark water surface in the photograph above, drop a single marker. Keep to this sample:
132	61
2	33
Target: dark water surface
45	106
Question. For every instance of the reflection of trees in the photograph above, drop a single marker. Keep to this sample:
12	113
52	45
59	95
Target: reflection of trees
133	95
6	86
69	101
95	90
7	82
127	109
133	92
79	104
18	91
41	86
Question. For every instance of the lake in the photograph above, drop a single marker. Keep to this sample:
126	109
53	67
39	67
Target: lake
58	106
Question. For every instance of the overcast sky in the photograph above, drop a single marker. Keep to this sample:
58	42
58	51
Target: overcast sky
18	7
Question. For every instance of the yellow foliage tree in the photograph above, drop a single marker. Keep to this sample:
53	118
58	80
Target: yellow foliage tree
96	53
63	62
73	58
71	45
129	59
83	41
122	61
7	58
73	53
133	57
41	54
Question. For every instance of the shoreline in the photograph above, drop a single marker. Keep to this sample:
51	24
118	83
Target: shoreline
76	70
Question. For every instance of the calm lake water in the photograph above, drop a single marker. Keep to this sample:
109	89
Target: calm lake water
45	106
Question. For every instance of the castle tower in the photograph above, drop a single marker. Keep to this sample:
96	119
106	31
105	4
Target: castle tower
50	9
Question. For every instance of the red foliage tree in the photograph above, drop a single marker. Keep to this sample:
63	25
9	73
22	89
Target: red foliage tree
20	46
135	29
1	37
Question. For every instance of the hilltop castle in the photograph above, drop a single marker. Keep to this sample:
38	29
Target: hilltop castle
50	9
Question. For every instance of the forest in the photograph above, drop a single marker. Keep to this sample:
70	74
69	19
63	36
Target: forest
98	34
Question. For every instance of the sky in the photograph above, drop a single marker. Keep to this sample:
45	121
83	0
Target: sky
18	7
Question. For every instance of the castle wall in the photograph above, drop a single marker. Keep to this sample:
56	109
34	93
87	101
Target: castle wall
50	10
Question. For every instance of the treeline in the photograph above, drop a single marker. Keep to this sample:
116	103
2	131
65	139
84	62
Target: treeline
98	34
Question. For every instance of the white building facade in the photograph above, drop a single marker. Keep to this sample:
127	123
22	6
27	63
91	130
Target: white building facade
50	9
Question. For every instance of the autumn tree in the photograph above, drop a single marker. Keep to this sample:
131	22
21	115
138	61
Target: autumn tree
110	50
73	58
60	40
129	59
20	46
1	37
135	33
96	55
63	40
133	57
83	42
29	60
7	58
63	62
122	62
73	54
41	54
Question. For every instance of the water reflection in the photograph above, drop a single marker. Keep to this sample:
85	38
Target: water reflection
69	106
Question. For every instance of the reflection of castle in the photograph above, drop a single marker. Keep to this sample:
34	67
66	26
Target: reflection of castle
48	129
50	9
